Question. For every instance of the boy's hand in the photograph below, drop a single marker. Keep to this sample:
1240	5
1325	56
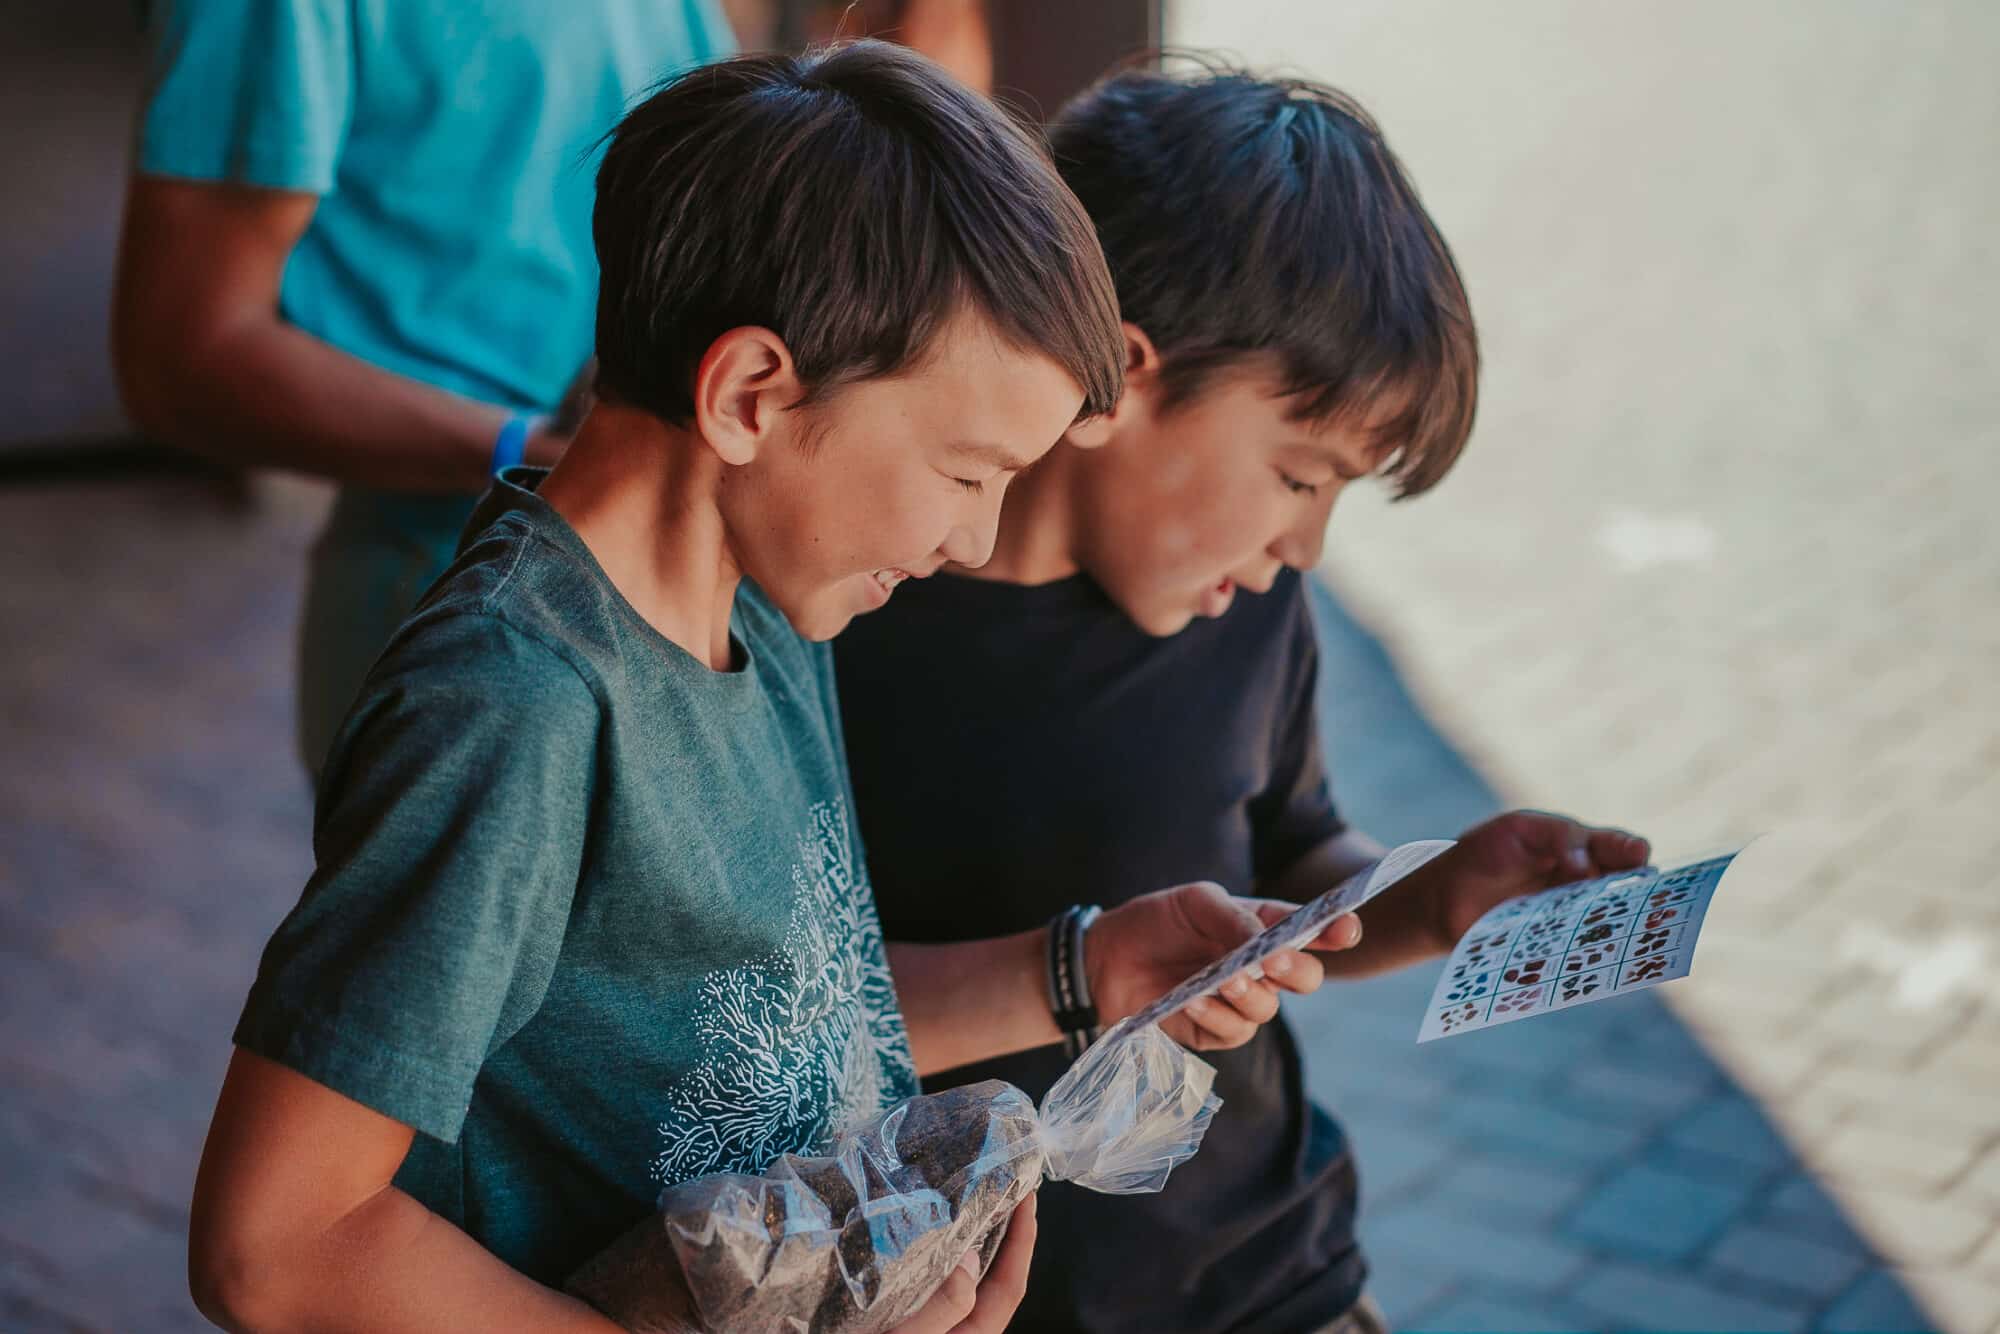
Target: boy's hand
968	1304
1521	852
1139	951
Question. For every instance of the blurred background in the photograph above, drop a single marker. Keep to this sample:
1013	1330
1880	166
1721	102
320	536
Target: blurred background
1719	561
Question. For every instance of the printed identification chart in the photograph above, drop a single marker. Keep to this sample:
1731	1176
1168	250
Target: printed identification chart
1573	945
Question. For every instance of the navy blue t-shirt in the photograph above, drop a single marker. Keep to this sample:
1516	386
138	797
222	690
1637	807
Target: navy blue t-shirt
1015	750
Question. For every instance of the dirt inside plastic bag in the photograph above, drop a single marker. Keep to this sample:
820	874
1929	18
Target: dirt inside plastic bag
852	1243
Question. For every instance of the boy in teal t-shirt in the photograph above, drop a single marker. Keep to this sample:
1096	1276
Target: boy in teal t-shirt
540	774
589	915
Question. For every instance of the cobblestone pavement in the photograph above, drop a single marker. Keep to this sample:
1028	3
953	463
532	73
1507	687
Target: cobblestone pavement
153	828
1720	560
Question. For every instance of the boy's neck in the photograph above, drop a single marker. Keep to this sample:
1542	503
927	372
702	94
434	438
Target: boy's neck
643	497
1036	542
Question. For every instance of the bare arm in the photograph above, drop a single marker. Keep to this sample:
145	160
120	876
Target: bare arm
295	1225
973	1000
206	362
954	33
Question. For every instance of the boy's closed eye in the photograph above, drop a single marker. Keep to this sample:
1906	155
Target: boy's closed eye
1001	463
1311	469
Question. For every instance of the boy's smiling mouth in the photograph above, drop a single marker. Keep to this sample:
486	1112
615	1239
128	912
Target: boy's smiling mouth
883	582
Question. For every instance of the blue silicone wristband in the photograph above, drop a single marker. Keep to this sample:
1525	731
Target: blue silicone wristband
511	445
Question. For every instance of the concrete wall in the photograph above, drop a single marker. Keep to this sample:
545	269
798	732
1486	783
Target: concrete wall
70	77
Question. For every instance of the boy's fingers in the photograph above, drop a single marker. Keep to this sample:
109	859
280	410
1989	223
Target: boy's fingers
1217	1024
1006	1282
1271	911
1616	850
1216	914
1296	972
1342	933
1554	842
948	1306
1575	850
1257	1002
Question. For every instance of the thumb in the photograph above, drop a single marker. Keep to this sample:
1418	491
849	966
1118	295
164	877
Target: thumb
951	1303
1215	914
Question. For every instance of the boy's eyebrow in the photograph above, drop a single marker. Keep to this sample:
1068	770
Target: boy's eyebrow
1340	466
994	456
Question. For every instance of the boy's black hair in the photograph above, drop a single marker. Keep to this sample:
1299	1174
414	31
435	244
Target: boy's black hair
851	200
1247	218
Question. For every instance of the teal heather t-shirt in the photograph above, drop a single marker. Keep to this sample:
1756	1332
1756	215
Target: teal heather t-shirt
590	917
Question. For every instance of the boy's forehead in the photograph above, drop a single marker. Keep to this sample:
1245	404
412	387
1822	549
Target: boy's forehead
1358	439
1352	441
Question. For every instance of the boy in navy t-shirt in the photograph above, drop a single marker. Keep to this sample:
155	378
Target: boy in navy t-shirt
1293	322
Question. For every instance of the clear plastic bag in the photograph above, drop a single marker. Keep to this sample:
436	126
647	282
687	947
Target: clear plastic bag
856	1241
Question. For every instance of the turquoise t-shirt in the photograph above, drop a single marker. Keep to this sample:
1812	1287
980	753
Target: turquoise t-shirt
453	144
590	917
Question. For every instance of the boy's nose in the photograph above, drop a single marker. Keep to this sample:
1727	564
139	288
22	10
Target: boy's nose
1301	545
1300	551
972	545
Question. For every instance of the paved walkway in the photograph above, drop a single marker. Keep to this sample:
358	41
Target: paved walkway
1593	1169
153	829
1720	560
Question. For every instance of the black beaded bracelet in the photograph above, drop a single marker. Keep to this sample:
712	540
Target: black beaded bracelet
1069	981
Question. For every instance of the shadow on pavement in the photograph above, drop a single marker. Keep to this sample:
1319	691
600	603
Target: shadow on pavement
1586	1170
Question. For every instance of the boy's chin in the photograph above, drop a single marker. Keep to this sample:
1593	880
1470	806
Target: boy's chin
824	614
1161	620
822	623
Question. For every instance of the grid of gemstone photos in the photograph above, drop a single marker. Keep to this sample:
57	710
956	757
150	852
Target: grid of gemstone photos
1573	945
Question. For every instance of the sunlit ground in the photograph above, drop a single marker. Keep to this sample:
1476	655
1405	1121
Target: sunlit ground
1721	558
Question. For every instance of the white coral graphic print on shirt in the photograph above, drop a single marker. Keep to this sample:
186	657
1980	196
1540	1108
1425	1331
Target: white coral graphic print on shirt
801	1044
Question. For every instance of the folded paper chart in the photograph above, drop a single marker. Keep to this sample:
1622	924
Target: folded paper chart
1573	945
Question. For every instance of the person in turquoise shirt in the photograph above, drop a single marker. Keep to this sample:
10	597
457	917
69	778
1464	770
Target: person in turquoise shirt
357	244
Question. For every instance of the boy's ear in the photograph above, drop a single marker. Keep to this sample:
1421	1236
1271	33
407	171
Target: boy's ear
1142	369
745	379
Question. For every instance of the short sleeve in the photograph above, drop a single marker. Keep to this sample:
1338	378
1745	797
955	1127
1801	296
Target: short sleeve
449	839
1295	812
255	92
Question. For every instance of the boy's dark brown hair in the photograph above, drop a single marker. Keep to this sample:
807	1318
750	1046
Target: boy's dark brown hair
1248	218
850	199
